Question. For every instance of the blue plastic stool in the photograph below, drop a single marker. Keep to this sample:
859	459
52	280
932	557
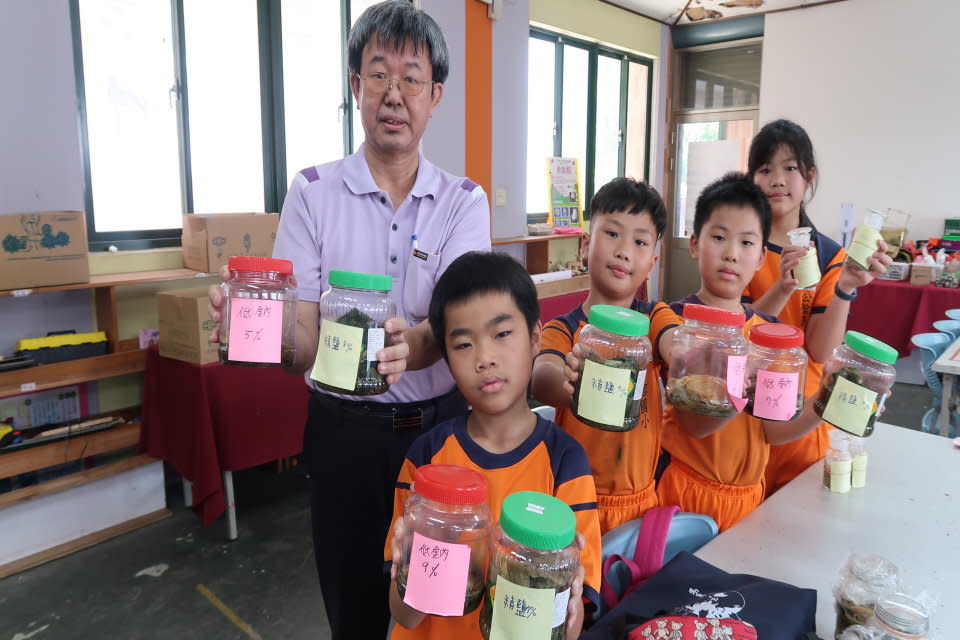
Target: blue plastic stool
953	314
932	346
949	327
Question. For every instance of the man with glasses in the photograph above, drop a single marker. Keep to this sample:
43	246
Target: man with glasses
387	210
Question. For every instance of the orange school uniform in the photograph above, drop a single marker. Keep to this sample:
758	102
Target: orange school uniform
788	460
548	461
721	474
623	463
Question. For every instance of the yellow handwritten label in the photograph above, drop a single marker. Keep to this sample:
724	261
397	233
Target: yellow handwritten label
864	244
807	272
603	393
338	355
521	613
850	406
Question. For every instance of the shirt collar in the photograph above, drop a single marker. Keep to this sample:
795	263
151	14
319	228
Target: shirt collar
357	176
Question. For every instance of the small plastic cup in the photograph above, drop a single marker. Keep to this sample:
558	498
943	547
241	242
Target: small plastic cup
807	272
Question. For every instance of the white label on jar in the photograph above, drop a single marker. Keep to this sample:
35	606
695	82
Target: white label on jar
641	382
375	341
560	607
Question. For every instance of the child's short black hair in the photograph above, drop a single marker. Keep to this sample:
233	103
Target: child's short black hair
733	189
632	196
479	272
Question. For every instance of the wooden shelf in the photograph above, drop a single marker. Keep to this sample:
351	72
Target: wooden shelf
61	374
114	280
538	248
69	449
561	287
530	239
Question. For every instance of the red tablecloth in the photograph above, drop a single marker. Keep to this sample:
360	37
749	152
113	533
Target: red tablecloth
894	311
207	419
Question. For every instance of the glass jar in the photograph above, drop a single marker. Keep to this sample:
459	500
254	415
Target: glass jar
807	272
838	463
259	314
856	379
708	363
352	314
533	562
864	578
865	238
899	617
446	528
776	372
613	368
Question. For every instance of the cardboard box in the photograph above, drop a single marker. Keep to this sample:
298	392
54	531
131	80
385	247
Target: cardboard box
209	239
43	249
924	274
185	326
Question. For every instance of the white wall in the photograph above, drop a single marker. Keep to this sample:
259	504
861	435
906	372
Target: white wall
874	84
443	142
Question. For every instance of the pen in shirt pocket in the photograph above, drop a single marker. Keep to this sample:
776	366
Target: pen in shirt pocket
416	251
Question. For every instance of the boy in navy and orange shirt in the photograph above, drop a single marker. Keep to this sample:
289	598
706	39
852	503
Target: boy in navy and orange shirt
485	316
627	219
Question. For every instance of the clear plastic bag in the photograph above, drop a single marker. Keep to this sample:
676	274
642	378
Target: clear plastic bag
863	579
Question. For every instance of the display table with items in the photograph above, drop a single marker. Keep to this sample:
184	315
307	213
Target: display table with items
209	420
907	513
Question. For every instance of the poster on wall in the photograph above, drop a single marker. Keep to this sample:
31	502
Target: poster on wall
565	205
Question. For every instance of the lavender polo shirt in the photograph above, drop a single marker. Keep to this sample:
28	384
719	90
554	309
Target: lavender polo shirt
336	217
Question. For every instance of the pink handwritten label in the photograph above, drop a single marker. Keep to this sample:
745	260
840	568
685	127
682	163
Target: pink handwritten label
255	330
776	395
736	370
437	580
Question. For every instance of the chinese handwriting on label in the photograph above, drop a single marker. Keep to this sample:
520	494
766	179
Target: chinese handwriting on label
519	607
434	557
608	386
854	399
249	312
336	343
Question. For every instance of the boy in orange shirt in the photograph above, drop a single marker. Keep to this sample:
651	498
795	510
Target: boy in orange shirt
485	316
627	220
716	464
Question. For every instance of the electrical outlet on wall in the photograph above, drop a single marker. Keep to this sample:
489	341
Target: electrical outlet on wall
500	198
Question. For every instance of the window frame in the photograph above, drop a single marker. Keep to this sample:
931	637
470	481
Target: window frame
273	130
594	51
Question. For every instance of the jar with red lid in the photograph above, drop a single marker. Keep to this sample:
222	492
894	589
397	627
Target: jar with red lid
776	372
708	362
446	526
259	321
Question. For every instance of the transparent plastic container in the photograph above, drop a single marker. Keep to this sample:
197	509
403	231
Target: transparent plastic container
856	379
259	313
708	362
533	561
865	238
863	579
807	272
352	312
776	372
446	530
613	368
858	473
838	463
899	617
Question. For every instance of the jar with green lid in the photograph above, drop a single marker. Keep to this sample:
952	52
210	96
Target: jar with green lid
613	368
533	562
855	382
776	372
708	363
899	617
446	528
865	238
352	315
259	313
807	272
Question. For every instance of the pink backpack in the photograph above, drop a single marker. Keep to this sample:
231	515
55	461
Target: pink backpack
647	555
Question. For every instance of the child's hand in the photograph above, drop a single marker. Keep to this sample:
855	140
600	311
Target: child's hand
393	358
575	605
396	546
571	369
851	277
789	259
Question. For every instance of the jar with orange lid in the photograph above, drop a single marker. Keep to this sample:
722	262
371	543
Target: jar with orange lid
259	325
446	526
776	372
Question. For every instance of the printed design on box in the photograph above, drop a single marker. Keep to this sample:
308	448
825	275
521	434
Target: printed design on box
35	236
693	628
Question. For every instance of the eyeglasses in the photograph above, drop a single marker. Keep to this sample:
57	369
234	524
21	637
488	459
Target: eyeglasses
380	83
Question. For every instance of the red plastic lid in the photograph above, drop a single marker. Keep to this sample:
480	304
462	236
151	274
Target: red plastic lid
709	314
450	484
776	336
252	263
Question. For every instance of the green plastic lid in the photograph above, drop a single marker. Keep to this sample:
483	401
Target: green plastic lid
357	280
870	347
625	322
538	520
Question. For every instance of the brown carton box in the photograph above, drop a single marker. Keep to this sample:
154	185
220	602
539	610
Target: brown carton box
924	274
43	249
185	326
209	239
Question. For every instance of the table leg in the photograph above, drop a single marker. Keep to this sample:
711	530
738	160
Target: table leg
187	492
231	506
945	403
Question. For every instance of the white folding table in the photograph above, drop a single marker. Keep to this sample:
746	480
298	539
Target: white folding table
949	365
